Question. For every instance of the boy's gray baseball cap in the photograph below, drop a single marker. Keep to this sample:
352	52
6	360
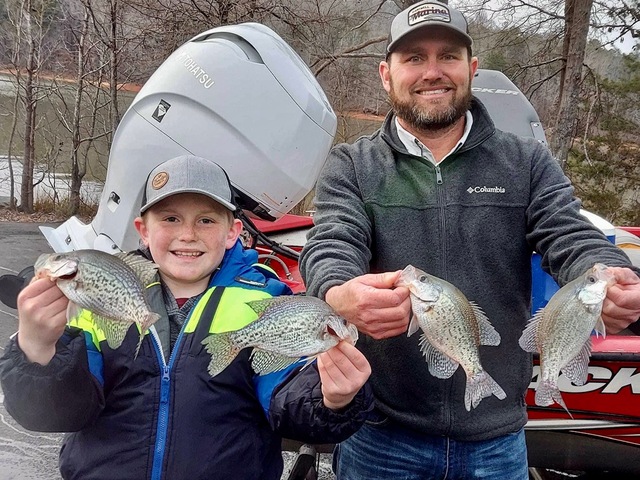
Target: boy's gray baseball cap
427	14
187	174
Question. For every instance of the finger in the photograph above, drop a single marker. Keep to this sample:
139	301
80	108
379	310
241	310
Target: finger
624	276
379	328
333	371
614	325
37	287
626	296
327	371
351	355
41	298
346	365
381	280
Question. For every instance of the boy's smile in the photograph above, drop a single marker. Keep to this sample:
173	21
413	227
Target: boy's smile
187	235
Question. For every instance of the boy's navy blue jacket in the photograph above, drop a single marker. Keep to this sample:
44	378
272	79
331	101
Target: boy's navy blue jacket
152	418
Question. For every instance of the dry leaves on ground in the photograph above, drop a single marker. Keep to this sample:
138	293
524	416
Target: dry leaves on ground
7	215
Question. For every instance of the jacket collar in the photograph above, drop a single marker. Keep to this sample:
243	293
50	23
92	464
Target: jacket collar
238	268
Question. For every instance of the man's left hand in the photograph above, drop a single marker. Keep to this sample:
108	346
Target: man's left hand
621	307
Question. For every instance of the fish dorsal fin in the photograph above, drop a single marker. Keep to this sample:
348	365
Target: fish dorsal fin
259	306
488	334
264	362
144	269
577	369
440	366
528	340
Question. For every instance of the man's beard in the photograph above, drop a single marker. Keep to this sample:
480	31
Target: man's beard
427	119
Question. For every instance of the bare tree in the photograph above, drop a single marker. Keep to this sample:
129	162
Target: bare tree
577	14
32	20
78	165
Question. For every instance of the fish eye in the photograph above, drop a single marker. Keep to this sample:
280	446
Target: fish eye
591	279
422	278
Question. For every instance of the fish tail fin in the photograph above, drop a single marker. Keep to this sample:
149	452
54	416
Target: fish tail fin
149	320
479	386
222	352
547	393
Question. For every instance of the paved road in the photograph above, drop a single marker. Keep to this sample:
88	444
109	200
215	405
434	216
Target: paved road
28	455
24	455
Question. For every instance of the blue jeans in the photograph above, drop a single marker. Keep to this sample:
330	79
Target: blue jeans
391	452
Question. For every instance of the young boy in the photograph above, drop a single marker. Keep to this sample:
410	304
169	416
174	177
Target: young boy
162	416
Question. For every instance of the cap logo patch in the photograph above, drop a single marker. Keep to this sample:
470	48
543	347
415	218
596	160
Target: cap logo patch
432	12
159	180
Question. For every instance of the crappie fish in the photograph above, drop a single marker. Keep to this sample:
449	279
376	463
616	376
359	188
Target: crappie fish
561	332
288	327
109	286
453	329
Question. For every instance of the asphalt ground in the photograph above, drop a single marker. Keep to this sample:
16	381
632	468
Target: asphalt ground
26	455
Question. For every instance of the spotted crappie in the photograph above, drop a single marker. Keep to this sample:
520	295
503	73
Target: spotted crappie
453	329
287	328
109	286
561	332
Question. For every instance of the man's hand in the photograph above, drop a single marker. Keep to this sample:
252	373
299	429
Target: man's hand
41	319
372	304
343	371
622	305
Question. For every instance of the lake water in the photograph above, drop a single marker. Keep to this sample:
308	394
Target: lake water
52	185
52	143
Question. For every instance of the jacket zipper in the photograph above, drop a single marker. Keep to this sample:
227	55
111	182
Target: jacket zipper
443	247
436	166
438	175
164	409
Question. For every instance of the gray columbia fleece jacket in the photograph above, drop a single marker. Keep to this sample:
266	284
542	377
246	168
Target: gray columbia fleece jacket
474	221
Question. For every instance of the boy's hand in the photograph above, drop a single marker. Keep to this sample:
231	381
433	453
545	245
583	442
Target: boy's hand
343	371
41	319
372	304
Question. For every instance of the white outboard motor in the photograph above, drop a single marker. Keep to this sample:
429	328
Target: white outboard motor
237	95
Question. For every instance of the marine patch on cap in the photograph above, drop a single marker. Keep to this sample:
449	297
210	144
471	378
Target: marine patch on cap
160	180
432	12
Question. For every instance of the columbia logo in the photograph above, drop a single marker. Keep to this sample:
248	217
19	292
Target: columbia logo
485	190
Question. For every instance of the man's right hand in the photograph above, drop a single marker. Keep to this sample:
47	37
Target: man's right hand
372	304
42	317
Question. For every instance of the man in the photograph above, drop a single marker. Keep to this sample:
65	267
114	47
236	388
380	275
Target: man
401	197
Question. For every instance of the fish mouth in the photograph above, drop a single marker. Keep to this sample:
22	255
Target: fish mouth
405	277
348	333
64	271
604	273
